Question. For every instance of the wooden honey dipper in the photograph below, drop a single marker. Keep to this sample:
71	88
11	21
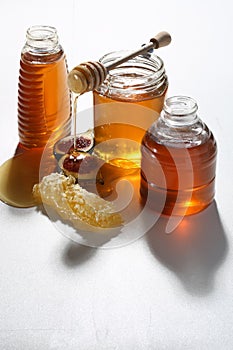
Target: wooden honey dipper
89	76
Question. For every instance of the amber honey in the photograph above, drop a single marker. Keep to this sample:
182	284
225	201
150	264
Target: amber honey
120	126
43	99
20	173
125	105
178	162
43	115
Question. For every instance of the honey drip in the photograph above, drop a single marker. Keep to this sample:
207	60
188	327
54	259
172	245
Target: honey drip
75	102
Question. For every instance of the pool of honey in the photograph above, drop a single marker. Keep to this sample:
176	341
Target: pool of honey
19	174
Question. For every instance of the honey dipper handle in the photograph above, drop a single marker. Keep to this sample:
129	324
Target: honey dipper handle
160	40
88	76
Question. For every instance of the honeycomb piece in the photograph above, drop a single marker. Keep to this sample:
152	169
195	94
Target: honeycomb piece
75	204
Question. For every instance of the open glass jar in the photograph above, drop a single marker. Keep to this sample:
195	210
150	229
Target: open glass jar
125	105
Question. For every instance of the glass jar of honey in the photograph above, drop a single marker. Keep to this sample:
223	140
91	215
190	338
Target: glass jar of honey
44	105
178	160
44	115
125	105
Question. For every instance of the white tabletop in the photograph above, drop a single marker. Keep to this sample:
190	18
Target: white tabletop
162	291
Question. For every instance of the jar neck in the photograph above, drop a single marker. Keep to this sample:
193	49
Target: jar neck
178	125
180	111
41	39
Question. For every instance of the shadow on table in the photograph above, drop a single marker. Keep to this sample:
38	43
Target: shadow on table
76	254
193	251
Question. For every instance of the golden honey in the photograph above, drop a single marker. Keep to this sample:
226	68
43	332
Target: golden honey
178	161
125	105
43	115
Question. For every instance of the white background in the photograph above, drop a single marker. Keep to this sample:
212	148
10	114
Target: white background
162	292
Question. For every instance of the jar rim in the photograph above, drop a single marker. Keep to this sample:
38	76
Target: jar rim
41	39
41	32
180	105
142	74
149	58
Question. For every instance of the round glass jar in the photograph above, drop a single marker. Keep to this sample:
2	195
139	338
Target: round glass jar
125	105
178	160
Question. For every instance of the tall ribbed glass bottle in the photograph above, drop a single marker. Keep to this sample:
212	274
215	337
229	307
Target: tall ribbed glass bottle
44	115
44	106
